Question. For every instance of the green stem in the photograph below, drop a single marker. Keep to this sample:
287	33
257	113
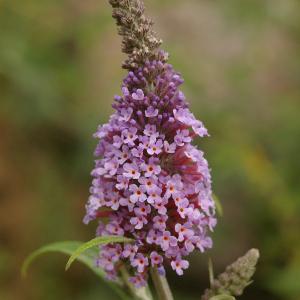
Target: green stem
211	272
142	293
161	285
125	277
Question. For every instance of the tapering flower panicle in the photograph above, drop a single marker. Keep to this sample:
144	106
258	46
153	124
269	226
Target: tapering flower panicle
236	277
149	182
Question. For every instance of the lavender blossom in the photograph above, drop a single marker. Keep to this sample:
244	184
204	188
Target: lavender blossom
153	184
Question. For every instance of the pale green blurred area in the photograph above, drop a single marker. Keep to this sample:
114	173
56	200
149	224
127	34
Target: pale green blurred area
59	69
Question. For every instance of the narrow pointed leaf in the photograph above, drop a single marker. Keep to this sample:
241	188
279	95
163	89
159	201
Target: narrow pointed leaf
95	242
88	259
218	204
65	247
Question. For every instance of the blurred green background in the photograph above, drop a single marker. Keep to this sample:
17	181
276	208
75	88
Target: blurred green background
59	69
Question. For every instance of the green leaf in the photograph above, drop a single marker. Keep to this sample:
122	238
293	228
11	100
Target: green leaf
88	258
95	242
222	297
219	207
66	247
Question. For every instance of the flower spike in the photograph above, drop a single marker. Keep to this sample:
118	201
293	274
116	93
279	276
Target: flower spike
149	183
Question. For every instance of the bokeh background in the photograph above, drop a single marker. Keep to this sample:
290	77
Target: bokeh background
59	69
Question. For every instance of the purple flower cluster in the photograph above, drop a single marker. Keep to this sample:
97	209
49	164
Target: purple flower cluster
150	184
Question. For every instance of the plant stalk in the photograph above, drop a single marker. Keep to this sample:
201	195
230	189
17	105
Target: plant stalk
161	285
211	272
142	293
125	277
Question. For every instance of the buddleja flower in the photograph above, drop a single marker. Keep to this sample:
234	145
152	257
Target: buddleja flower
149	182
